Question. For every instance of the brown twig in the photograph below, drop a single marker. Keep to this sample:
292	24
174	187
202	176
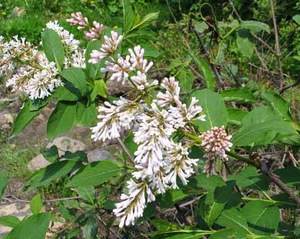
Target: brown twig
282	90
123	146
277	46
275	179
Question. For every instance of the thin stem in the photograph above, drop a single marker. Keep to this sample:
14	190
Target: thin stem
123	146
277	46
243	159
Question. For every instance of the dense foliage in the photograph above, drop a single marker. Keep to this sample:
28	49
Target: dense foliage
206	117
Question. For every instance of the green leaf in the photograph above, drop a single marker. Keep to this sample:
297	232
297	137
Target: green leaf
51	154
33	227
3	182
226	233
99	88
241	95
174	64
206	71
9	221
37	104
262	133
62	119
262	217
77	78
235	116
67	93
296	18
24	117
289	175
172	196
260	127
128	16
90	228
130	144
213	107
186	80
245	42
174	231
86	115
251	179
36	204
93	70
224	197
76	156
86	193
209	183
95	174
54	171
233	219
221	55
146	19
255	27
54	49
280	106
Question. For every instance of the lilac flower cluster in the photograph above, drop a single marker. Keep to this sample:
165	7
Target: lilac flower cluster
31	72
159	160
91	32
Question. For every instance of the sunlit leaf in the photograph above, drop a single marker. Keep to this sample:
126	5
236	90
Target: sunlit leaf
95	174
53	47
213	107
33	227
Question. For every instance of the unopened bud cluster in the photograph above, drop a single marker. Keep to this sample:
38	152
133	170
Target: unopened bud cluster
215	142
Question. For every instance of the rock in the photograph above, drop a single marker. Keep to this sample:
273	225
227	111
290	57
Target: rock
63	144
6	119
67	144
18	209
98	155
37	162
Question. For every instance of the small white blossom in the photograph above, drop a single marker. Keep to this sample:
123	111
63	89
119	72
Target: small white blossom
171	96
138	61
141	82
132	205
180	165
66	37
110	116
119	70
108	48
94	32
78	19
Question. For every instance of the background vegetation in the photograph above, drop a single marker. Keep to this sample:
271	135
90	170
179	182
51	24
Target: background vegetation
246	54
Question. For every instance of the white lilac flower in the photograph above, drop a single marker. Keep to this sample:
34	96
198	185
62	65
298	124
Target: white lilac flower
111	116
141	82
66	37
171	96
19	80
78	19
179	115
108	48
43	82
138	61
94	32
179	165
132	205
119	70
77	59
